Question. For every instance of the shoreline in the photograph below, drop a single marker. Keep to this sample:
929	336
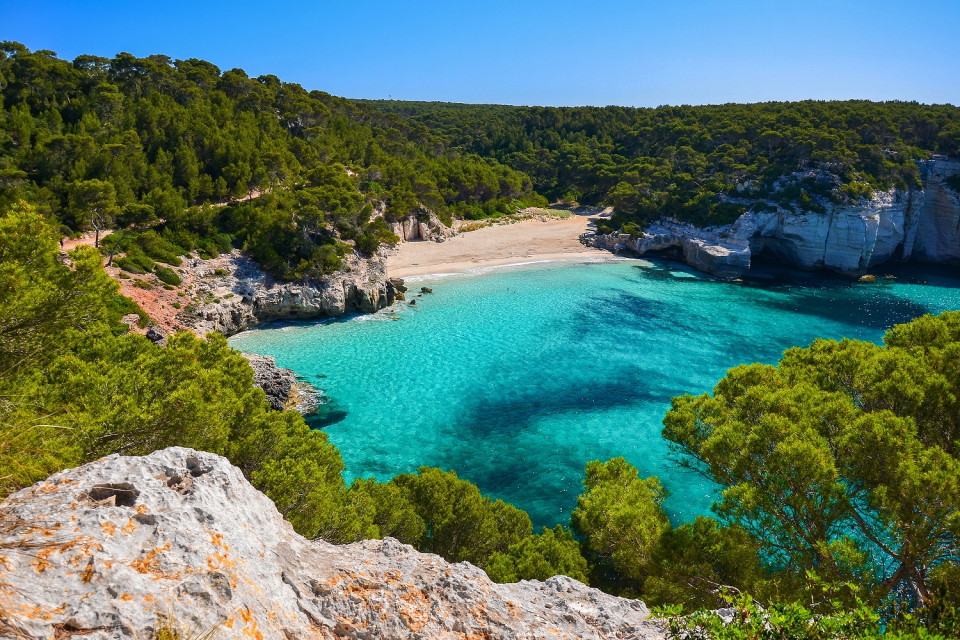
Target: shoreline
482	268
512	243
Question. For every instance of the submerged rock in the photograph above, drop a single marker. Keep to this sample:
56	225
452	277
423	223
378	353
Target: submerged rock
103	550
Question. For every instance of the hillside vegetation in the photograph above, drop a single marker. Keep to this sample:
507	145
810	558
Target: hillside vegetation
98	142
702	164
840	510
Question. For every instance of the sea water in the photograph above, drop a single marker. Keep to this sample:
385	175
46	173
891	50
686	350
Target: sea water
517	377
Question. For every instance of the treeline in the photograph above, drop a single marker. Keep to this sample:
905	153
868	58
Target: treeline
839	467
704	164
97	143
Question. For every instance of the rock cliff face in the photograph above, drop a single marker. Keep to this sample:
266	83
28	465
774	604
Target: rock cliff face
412	228
102	550
233	293
919	225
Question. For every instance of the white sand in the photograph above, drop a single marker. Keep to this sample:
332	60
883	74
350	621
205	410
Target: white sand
530	240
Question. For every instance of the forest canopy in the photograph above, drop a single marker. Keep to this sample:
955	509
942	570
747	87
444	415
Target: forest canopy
182	147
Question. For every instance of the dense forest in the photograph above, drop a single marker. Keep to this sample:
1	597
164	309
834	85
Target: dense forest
704	164
163	144
175	150
839	466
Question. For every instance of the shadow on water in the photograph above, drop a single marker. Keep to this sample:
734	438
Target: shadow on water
820	294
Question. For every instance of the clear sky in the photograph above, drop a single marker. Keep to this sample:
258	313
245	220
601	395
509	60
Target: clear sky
555	52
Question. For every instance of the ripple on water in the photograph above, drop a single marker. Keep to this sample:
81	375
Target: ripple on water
518	377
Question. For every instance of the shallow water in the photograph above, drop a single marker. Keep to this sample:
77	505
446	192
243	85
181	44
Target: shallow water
517	377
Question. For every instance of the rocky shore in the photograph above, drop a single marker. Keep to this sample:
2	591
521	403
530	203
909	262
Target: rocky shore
917	224
231	293
281	386
109	549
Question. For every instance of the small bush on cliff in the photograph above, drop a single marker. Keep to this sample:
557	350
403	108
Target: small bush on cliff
167	275
621	520
461	524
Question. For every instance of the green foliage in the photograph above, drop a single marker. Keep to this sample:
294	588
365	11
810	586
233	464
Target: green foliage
460	523
167	275
43	301
538	557
621	519
141	142
842	458
695	562
688	162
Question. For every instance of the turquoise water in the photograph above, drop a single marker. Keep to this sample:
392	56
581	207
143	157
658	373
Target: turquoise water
518	377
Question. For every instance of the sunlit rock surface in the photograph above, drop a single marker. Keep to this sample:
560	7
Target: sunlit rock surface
102	550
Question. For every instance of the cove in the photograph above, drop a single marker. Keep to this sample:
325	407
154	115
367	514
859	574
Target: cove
515	378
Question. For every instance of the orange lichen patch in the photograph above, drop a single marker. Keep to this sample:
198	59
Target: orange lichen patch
150	563
335	580
415	609
130	527
41	563
148	598
216	539
479	611
392	577
126	597
141	509
219	561
108	528
250	629
513	610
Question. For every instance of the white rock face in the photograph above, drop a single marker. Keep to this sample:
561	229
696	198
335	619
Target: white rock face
108	546
919	225
235	293
410	229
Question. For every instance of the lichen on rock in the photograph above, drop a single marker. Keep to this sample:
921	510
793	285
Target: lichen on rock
108	547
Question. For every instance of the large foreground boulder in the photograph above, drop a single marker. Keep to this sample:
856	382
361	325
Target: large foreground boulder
105	550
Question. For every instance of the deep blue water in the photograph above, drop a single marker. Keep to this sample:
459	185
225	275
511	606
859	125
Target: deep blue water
518	377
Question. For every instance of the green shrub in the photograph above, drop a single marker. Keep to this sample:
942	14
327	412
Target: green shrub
167	275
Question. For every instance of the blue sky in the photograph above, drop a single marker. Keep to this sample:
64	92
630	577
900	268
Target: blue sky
549	53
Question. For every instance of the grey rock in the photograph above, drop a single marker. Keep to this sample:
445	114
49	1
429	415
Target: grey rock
277	383
101	550
232	293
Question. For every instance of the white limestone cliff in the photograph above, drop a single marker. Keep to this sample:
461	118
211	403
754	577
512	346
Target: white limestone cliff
921	225
102	550
233	293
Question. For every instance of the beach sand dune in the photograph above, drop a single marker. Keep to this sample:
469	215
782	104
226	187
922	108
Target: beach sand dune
534	239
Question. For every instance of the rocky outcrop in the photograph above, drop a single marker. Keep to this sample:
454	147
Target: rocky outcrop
103	550
281	386
426	226
232	293
916	224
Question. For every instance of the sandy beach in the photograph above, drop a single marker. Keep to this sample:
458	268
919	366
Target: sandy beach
531	240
